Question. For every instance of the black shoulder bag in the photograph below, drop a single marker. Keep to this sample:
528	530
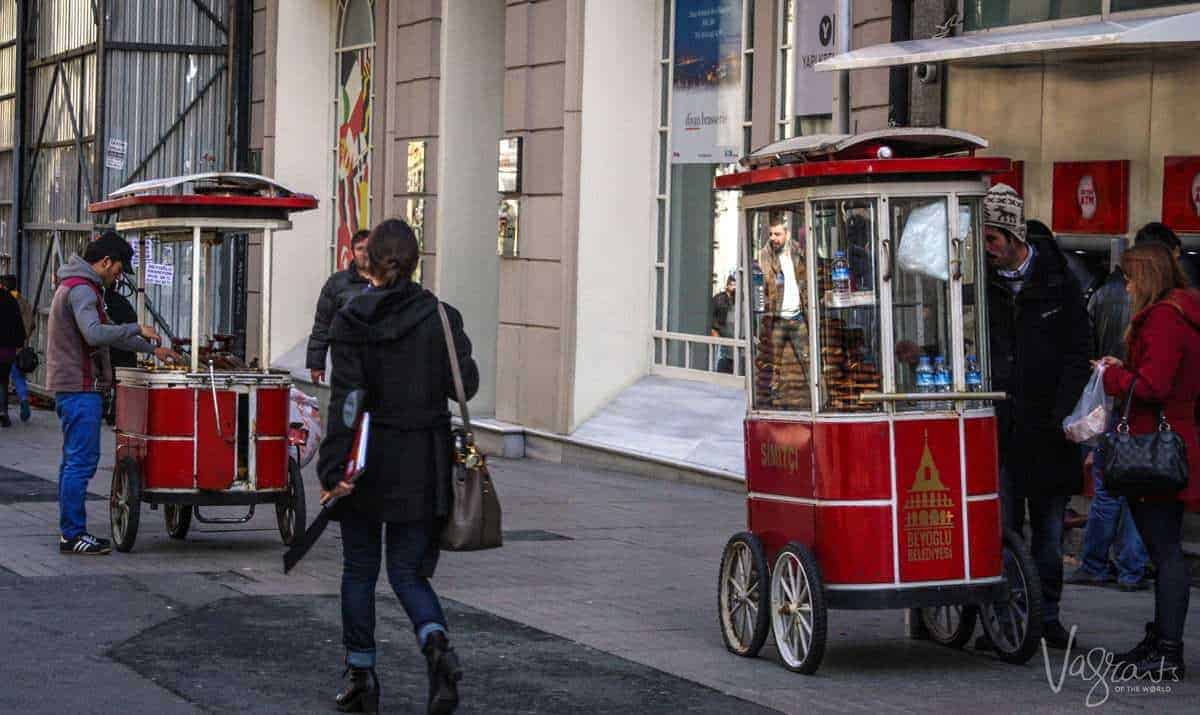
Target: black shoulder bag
1154	464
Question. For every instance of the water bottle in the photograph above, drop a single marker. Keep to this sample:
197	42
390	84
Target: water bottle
974	379
941	380
841	276
758	289
924	375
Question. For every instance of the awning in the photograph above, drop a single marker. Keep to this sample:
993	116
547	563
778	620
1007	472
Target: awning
1028	46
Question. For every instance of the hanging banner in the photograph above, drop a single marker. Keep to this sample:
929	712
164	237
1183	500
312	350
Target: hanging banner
816	40
706	96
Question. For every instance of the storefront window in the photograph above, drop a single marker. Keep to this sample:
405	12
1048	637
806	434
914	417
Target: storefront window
849	324
984	14
354	97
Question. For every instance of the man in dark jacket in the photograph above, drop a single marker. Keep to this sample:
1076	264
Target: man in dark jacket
1040	343
337	291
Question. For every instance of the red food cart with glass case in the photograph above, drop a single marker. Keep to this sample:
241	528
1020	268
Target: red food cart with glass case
213	430
871	448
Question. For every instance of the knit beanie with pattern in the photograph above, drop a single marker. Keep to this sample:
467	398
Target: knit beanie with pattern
1003	208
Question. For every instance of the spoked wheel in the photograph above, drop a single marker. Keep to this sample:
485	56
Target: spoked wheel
179	520
950	625
290	513
742	597
1015	624
798	609
125	502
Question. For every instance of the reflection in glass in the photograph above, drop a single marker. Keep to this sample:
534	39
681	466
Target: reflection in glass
849	328
920	295
779	285
974	289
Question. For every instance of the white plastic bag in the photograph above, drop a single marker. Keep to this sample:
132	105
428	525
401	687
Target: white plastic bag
923	246
1091	415
307	411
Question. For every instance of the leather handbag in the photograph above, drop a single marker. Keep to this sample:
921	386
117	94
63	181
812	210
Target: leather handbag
27	360
474	521
1154	464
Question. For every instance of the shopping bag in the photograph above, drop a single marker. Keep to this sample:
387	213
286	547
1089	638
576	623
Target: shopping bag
1092	413
306	411
923	248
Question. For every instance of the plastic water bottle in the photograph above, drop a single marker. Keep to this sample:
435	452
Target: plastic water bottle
941	380
841	276
974	380
924	376
759	289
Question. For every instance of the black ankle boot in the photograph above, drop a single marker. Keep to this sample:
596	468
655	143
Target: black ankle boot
361	694
1165	661
444	674
1139	652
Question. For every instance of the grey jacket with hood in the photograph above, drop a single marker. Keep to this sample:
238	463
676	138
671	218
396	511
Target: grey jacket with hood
78	338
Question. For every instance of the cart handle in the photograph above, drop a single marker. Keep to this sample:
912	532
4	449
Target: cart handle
887	256
928	396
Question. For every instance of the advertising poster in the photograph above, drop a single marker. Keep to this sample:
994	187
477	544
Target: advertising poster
353	150
816	40
1091	197
706	98
1181	193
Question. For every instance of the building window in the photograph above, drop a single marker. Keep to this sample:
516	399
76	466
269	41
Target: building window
1123	5
353	102
704	126
985	14
785	79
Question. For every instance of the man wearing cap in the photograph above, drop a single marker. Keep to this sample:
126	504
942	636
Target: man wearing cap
1040	341
78	372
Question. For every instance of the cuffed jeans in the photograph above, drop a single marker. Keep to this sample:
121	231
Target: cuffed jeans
1161	527
410	548
1110	524
80	414
1046	524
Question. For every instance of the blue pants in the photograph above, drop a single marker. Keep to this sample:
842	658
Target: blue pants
1110	524
410	549
18	381
80	414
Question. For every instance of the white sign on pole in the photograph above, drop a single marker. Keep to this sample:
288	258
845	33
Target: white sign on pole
159	274
816	40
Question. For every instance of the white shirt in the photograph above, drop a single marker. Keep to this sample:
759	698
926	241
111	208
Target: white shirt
791	307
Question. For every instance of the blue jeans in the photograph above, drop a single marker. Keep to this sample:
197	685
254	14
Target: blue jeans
1046	524
410	552
18	381
80	414
1110	524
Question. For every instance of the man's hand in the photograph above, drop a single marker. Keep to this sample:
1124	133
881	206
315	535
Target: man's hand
149	333
167	355
342	489
318	376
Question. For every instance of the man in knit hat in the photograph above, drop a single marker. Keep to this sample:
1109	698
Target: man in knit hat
1040	341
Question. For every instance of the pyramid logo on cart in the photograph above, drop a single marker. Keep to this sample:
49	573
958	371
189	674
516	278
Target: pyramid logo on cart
928	513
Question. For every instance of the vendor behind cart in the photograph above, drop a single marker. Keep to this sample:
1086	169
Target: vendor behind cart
79	373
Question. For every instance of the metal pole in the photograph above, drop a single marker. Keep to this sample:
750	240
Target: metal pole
195	335
100	123
140	286
19	117
841	78
265	338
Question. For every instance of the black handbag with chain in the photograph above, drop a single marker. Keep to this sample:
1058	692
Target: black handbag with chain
1154	464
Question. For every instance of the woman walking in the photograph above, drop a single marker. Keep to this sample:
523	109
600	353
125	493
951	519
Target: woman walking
388	342
12	338
1164	348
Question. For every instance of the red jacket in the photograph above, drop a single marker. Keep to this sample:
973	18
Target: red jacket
1164	352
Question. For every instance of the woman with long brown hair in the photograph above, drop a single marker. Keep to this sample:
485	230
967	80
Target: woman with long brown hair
1163	342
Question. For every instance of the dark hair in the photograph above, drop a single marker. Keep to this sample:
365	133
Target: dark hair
392	252
1155	231
9	280
360	235
110	244
777	219
1037	229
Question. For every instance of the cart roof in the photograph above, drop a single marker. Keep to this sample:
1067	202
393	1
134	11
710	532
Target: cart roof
208	198
908	142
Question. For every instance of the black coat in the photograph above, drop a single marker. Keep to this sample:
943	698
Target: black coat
337	291
12	327
1040	342
390	343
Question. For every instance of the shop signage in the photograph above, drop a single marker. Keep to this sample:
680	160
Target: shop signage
508	176
1014	177
816	40
1091	197
1181	193
706	97
508	228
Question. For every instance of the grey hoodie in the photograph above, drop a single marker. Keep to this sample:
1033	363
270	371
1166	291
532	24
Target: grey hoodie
78	340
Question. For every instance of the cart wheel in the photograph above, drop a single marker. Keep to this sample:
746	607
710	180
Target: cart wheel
950	625
798	609
1015	624
179	520
125	502
742	598
290	513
